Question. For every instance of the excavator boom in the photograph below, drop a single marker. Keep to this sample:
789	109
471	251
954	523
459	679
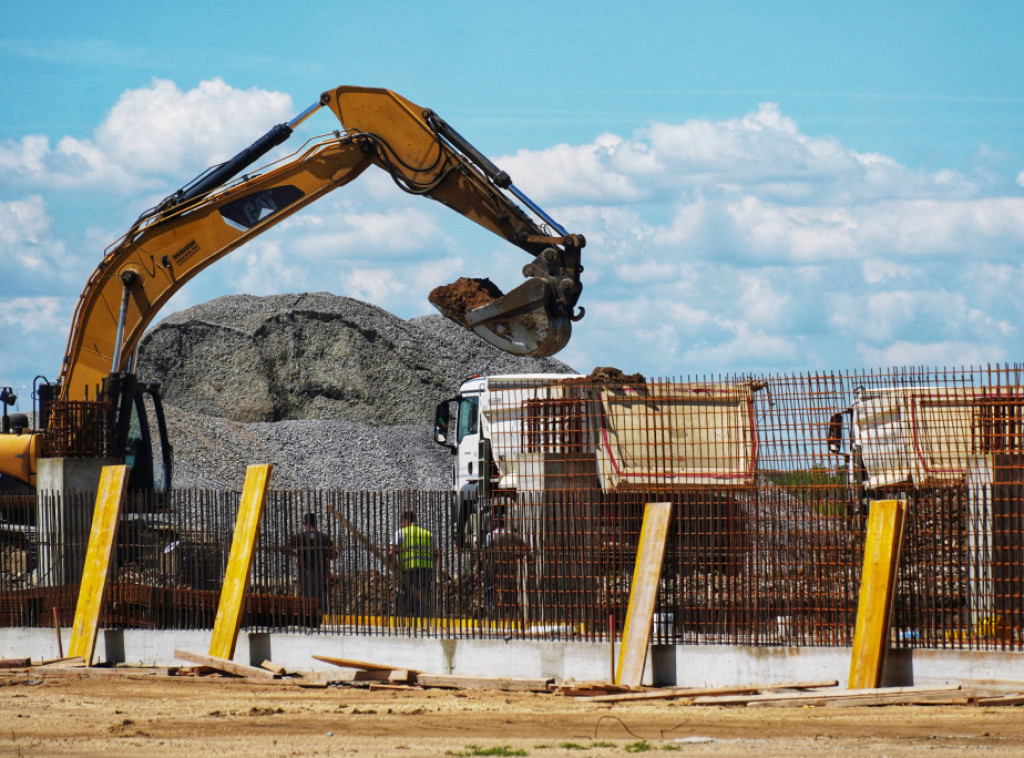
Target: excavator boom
212	216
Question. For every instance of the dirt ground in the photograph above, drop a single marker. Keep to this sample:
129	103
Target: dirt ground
177	716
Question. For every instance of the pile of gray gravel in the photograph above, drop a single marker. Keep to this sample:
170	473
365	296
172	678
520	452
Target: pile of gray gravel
336	393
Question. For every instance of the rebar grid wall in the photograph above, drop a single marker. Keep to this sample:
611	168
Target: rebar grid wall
770	478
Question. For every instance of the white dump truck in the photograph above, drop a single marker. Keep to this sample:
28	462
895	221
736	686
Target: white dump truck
534	439
563	464
934	436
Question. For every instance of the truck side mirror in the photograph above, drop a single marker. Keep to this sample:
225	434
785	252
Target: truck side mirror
442	418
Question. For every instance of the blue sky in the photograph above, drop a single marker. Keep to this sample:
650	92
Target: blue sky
765	186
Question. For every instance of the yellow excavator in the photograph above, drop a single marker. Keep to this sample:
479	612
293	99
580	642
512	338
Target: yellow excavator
97	407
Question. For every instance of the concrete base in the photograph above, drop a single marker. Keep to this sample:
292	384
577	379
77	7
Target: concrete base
679	665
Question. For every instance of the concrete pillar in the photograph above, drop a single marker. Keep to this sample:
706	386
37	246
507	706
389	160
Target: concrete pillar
65	498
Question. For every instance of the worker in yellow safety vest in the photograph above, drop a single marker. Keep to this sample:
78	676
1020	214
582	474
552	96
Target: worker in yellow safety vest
413	554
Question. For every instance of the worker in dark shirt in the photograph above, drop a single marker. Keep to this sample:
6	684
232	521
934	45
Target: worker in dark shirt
314	551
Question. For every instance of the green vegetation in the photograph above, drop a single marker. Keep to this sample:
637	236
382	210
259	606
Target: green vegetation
499	750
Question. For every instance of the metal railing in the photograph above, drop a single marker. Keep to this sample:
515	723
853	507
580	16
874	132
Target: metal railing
770	479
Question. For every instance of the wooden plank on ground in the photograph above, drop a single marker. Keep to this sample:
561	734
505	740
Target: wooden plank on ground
1014	699
877	588
348	663
15	663
636	634
243	547
100	673
223	664
105	518
509	684
863	697
75	660
273	668
670	693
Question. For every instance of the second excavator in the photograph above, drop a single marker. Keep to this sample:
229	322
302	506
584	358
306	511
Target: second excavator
95	408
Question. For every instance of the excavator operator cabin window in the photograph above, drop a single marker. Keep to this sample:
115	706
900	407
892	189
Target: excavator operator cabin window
469	408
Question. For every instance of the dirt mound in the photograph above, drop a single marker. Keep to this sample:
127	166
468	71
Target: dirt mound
335	392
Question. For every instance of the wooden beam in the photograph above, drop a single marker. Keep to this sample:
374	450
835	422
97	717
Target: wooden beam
862	697
877	588
509	684
680	692
224	664
236	577
636	634
348	663
105	518
273	668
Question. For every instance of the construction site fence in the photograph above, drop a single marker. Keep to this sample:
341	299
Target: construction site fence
770	479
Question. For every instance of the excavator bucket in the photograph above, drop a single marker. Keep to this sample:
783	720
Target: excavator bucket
526	321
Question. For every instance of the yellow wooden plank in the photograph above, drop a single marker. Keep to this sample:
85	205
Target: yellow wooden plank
877	587
236	577
105	516
636	633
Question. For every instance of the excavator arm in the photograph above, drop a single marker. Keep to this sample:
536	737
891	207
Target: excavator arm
215	214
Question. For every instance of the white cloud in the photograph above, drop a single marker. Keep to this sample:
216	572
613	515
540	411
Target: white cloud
31	315
879	270
732	245
945	353
149	135
34	260
370	234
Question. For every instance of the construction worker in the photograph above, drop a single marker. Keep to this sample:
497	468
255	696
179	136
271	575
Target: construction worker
503	555
413	554
314	551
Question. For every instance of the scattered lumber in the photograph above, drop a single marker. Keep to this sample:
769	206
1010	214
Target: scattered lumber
508	684
572	688
15	663
223	664
1014	699
70	672
947	694
75	660
273	668
348	663
671	693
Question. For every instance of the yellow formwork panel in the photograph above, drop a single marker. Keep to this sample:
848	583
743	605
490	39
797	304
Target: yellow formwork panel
636	633
236	577
877	587
105	516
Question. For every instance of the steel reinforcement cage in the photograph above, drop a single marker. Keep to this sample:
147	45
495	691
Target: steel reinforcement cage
770	477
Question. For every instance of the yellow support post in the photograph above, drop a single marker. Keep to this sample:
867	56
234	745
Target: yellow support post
636	633
877	589
105	517
236	577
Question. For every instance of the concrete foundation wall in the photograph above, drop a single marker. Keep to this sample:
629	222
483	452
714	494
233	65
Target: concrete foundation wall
680	665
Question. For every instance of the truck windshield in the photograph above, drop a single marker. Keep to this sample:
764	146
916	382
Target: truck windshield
468	411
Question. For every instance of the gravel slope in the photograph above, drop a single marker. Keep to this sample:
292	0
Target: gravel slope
336	393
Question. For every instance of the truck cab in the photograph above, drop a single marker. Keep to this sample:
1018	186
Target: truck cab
476	477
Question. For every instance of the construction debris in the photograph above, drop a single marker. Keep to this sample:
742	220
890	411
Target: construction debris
222	664
673	693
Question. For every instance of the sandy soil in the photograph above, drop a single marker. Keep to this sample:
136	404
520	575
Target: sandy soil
174	716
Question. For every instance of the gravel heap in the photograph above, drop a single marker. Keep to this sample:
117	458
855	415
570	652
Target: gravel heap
336	393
